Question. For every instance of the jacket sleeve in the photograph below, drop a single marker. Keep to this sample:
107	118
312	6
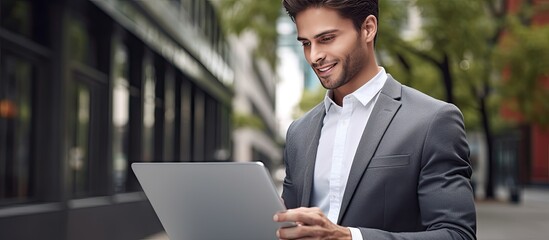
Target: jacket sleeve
444	191
289	194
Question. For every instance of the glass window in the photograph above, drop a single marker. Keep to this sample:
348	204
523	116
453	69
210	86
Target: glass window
210	129
169	114
88	123
16	16
120	115
149	110
82	44
16	163
79	161
198	125
87	129
186	131
225	134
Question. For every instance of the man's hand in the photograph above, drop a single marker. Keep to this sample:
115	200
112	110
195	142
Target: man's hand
311	224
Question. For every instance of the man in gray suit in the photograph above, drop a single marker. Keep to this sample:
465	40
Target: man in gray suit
375	159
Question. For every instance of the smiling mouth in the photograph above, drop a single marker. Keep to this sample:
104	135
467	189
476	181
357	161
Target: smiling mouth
325	68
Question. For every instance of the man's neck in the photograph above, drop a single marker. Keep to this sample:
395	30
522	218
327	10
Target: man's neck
339	93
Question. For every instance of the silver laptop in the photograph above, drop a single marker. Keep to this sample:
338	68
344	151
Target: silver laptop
201	201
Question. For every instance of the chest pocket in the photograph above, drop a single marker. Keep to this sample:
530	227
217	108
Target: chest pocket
390	161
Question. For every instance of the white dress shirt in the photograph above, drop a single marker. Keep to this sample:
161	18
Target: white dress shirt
342	129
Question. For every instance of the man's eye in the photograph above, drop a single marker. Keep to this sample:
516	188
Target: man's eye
327	39
305	44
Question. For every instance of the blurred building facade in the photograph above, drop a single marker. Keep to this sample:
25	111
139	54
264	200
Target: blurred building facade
255	135
530	143
290	71
89	87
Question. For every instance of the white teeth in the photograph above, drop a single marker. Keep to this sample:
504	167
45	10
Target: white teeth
325	68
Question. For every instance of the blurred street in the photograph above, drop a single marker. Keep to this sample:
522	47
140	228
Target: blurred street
501	220
528	220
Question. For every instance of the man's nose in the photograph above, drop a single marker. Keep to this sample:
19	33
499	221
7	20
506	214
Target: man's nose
317	54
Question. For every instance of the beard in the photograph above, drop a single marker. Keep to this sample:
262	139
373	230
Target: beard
351	65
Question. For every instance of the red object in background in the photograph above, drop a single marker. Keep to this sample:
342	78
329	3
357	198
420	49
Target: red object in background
7	109
540	18
539	137
540	155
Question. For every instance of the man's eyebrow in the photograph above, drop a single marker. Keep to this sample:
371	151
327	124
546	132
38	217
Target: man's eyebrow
318	35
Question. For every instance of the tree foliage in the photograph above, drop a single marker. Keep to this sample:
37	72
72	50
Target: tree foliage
470	44
463	42
524	57
260	17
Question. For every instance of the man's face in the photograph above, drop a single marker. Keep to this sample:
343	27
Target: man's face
332	46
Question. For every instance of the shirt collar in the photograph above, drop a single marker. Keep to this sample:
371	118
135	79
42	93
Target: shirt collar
365	93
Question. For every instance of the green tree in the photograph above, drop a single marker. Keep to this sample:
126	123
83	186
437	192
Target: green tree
523	57
260	17
460	40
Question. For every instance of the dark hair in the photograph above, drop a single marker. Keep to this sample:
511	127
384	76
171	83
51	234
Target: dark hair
356	10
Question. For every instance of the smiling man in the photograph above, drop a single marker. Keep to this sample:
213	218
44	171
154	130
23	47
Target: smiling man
375	159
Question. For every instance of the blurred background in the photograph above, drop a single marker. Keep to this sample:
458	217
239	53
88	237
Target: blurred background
89	87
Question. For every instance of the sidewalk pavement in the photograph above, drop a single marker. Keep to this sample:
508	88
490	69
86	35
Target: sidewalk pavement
527	220
502	220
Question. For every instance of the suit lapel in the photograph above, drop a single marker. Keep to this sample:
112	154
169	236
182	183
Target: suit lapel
383	112
313	131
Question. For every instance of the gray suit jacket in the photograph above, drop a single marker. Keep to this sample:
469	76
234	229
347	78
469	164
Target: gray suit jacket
410	177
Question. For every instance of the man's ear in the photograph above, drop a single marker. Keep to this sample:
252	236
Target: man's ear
369	28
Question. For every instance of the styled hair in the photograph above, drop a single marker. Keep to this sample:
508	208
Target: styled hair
356	10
